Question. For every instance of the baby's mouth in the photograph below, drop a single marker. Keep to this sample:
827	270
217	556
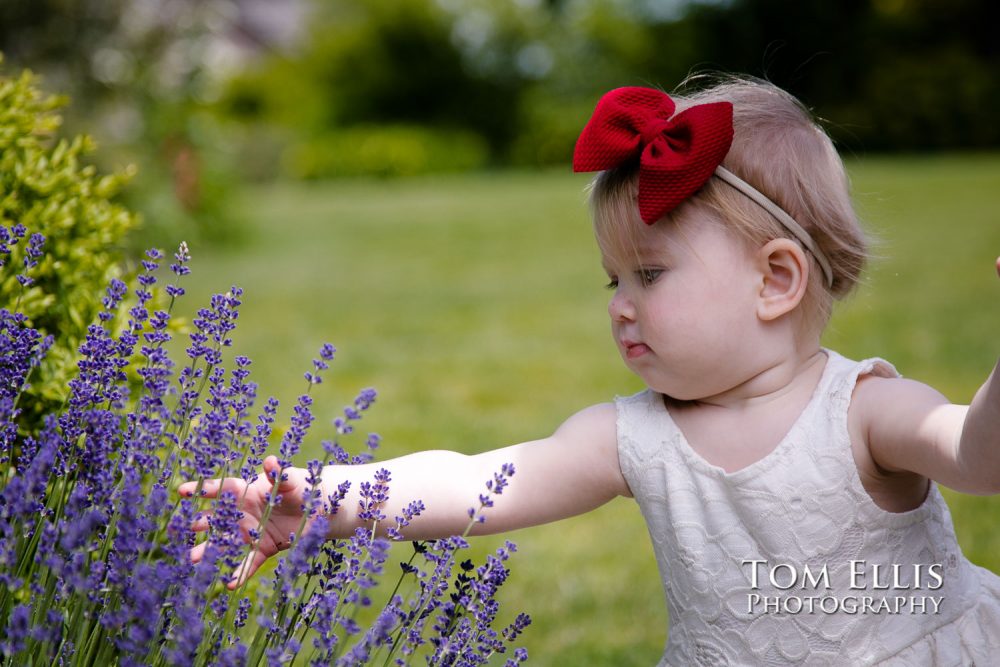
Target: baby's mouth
634	350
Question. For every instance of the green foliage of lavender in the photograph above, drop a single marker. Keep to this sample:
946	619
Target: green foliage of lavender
95	565
45	185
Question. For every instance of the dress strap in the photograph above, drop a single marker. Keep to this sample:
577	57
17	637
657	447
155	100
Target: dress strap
641	433
845	376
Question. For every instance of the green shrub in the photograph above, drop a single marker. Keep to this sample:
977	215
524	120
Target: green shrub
380	150
45	186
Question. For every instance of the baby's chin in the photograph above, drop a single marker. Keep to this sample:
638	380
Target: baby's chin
678	397
675	393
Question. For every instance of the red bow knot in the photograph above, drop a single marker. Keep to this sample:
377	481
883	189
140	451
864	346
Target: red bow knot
677	153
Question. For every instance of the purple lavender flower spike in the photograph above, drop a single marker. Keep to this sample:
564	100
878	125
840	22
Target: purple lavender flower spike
31	256
365	399
301	421
207	441
242	613
326	353
5	238
34	250
409	512
313	502
179	268
16	631
335	452
306	549
259	441
378	634
233	656
333	501
514	630
188	604
146	280
520	655
21	349
494	486
116	290
181	257
373	496
225	534
342	426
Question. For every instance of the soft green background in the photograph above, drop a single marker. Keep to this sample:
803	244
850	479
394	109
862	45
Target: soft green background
474	304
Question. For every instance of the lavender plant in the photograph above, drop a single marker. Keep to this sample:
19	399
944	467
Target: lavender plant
96	563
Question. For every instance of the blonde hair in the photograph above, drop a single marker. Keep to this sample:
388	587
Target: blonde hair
780	150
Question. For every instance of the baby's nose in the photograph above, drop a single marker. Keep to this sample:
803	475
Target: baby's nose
621	308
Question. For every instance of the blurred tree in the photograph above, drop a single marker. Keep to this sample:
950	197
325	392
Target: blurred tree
143	74
525	74
409	62
890	74
518	76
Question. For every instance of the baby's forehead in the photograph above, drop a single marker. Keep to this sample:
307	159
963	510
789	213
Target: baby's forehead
668	240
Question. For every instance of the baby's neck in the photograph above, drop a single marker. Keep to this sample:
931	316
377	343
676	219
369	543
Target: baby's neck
770	380
738	427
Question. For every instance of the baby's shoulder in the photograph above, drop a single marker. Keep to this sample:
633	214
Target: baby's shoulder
882	405
588	443
591	429
878	397
600	416
894	424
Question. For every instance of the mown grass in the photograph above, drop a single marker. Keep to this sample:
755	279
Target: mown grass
474	304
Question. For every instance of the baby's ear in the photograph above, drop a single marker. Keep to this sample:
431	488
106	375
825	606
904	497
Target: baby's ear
785	271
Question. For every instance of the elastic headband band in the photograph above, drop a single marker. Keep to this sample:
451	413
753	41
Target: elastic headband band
677	153
787	221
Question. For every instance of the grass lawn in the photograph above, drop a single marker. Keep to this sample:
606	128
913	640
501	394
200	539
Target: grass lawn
474	304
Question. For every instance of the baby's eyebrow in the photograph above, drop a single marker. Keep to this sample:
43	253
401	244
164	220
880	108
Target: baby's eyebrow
641	257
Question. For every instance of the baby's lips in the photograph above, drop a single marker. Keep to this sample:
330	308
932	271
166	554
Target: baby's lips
633	349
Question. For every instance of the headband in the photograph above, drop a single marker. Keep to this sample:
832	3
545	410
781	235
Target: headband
677	153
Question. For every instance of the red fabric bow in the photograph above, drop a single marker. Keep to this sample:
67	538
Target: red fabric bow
677	153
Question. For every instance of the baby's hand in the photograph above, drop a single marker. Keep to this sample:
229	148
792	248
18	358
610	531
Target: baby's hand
285	518
998	266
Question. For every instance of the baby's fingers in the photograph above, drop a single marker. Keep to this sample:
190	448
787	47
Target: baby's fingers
247	568
271	470
198	551
210	488
187	489
200	523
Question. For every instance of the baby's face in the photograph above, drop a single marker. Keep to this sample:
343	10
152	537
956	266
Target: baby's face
684	307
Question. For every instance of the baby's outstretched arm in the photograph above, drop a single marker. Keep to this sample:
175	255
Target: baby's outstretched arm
910	427
572	471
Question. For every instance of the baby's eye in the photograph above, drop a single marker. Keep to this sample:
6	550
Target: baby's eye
612	284
648	276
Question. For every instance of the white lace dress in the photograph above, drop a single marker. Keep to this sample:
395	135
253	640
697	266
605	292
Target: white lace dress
839	581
